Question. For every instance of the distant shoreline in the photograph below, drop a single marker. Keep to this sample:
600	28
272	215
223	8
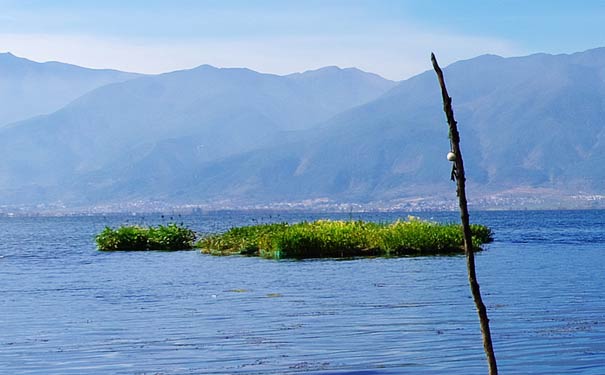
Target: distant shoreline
262	211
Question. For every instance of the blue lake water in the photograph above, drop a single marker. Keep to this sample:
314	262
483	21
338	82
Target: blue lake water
66	308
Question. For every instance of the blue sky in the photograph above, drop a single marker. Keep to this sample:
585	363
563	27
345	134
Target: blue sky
390	37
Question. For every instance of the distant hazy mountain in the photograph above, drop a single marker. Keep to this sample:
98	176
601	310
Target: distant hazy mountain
535	122
29	88
152	130
335	90
208	134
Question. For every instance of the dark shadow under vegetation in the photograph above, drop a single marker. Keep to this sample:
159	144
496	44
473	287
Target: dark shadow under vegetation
135	238
343	239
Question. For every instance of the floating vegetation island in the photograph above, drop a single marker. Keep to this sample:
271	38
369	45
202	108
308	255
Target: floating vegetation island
316	239
135	238
343	239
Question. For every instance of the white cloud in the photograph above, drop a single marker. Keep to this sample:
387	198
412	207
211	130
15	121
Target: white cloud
397	53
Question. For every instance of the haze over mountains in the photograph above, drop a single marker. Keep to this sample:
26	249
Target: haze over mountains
29	88
528	124
152	127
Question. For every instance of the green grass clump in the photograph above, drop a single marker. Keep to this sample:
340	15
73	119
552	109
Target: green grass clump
338	239
240	240
136	238
416	237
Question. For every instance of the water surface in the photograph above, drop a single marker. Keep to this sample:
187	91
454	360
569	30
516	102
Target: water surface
69	309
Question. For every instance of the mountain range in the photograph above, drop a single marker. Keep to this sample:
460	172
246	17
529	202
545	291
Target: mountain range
153	127
529	125
29	88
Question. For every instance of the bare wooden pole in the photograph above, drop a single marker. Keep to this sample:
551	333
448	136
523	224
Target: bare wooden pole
458	176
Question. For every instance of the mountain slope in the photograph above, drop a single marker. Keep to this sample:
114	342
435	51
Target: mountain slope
29	88
123	130
533	122
336	90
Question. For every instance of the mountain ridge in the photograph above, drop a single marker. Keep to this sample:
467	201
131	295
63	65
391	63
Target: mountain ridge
29	88
204	112
529	125
336	164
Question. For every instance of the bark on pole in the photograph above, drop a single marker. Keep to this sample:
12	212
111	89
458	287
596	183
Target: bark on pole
458	175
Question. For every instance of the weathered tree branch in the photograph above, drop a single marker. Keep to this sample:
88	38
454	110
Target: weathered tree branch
458	175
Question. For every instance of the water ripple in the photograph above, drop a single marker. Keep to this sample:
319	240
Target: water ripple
68	309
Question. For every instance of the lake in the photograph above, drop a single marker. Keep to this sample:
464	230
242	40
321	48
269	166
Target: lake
66	308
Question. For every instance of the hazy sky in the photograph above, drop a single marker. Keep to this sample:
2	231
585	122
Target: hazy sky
390	37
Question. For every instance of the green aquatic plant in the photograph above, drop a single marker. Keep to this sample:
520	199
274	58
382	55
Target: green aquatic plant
246	240
342	239
136	238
